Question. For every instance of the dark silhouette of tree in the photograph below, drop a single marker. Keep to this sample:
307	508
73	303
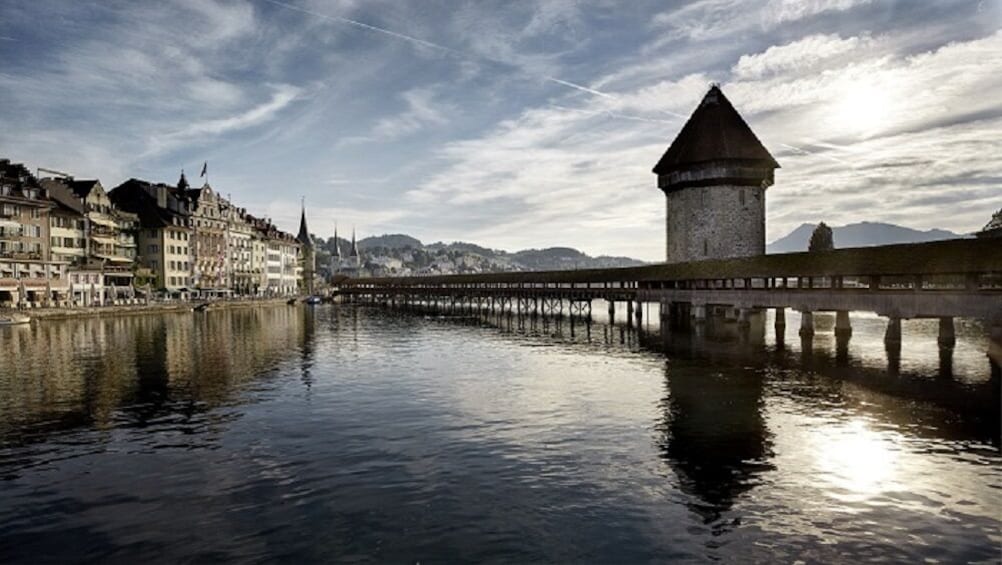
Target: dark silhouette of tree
821	239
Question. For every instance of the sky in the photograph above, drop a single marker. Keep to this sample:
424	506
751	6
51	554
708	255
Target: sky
512	124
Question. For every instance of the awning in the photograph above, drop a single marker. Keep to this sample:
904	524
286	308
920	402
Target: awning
103	221
104	239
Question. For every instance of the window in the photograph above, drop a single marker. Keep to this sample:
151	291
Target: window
741	196
706	247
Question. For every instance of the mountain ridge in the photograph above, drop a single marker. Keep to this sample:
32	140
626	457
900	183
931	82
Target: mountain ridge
859	234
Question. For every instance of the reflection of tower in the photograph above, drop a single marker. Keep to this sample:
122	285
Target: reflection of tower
309	329
713	434
308	256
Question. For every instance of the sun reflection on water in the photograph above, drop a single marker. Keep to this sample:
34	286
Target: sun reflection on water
858	460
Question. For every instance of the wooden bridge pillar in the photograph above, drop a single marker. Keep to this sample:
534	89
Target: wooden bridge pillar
612	311
744	317
806	323
699	313
843	328
893	332
947	335
995	352
780	325
639	312
629	311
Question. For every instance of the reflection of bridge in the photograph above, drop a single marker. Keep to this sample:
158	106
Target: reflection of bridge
957	278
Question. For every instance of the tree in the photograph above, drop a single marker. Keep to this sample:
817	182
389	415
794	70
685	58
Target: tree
821	239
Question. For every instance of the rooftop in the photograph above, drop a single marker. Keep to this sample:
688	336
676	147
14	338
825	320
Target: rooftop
714	132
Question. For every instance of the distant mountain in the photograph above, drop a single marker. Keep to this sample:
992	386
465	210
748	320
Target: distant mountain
390	241
862	234
403	254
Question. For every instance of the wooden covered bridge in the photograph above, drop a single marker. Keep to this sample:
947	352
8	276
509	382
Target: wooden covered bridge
941	280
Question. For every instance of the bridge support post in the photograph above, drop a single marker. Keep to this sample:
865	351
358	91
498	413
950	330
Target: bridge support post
639	311
947	336
612	311
843	328
629	311
780	325
893	333
806	323
995	353
699	313
744	317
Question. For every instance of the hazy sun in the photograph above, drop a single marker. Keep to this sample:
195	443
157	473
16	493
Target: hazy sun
863	109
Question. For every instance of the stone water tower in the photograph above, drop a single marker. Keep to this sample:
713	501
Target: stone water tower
714	177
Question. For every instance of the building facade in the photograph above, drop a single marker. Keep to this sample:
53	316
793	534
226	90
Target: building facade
714	177
29	276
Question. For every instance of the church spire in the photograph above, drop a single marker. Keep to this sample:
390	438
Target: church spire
337	244
304	232
182	183
354	247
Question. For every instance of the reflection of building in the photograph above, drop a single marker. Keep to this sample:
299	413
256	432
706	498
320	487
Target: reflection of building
714	177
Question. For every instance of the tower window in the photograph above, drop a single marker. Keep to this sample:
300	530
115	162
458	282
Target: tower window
741	196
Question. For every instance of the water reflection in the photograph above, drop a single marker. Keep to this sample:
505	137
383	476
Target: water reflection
359	433
716	459
132	370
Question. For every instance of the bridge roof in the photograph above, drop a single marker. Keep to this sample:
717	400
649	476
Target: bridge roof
956	256
714	132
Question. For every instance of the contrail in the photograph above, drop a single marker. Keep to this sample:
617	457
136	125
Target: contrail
363	25
451	51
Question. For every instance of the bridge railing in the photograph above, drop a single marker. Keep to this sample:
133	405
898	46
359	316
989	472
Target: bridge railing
963	264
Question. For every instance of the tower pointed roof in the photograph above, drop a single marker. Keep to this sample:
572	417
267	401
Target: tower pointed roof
354	247
182	183
337	245
714	132
304	232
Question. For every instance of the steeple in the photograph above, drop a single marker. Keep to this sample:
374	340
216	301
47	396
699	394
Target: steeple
336	255
304	232
182	183
354	247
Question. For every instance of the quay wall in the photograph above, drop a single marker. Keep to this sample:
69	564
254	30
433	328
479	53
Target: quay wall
159	308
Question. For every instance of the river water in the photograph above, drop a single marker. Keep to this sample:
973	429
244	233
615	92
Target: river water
353	433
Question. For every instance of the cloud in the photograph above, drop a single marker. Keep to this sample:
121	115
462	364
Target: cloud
779	11
802	55
200	132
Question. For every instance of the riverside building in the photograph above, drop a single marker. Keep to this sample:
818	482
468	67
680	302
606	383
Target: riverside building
29	275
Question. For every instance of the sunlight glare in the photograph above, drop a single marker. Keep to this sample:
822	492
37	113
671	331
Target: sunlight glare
858	459
863	109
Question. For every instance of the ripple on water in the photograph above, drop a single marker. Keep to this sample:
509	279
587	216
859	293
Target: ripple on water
351	433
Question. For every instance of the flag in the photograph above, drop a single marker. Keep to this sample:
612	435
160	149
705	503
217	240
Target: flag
205	168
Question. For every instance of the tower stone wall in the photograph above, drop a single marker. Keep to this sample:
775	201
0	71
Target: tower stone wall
714	222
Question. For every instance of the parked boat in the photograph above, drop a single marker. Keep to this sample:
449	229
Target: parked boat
13	319
314	300
201	307
291	301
